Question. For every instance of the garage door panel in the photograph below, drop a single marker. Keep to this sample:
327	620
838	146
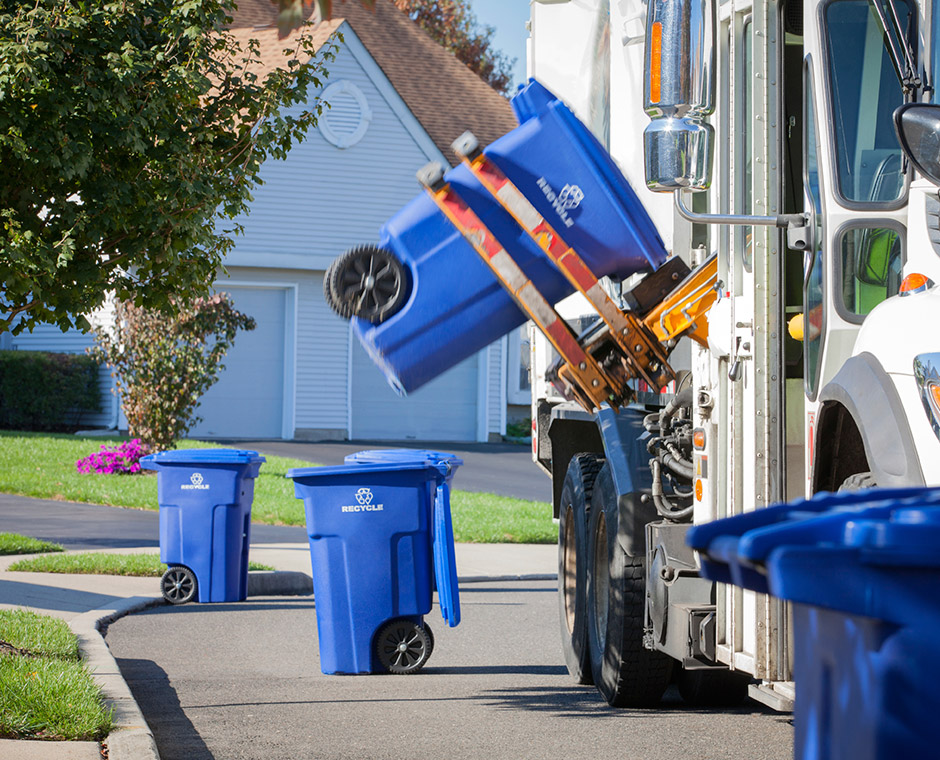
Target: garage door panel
443	410
248	399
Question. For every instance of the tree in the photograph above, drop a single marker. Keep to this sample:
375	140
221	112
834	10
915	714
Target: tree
163	365
452	24
130	131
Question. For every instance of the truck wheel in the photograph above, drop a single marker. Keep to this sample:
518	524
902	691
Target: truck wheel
625	672
572	563
178	585
367	282
858	481
713	688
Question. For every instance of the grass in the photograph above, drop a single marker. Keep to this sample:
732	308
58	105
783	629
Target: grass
14	543
47	691
94	563
42	465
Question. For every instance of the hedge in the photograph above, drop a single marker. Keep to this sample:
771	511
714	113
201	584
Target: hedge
46	391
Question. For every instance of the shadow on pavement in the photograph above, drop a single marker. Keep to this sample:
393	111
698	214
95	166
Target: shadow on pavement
578	701
44	597
174	733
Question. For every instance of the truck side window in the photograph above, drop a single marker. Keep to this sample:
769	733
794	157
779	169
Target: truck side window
864	91
871	259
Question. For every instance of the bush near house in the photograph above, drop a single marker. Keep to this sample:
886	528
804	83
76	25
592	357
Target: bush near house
46	391
164	363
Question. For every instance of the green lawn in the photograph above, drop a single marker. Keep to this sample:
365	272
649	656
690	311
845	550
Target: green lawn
47	692
14	543
43	465
101	563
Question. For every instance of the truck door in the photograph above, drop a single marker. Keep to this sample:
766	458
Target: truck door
855	182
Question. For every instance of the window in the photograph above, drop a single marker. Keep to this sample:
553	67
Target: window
864	91
870	268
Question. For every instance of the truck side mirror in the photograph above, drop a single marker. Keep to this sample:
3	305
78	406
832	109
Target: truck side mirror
678	90
918	129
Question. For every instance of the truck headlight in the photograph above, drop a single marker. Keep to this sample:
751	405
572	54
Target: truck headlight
927	373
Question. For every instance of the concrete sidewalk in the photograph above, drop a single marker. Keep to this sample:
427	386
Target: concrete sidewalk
89	602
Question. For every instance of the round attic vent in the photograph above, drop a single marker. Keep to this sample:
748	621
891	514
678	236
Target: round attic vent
345	122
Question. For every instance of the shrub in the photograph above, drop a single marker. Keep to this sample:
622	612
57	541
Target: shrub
163	364
121	459
45	391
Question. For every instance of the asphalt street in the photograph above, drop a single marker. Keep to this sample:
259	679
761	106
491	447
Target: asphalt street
85	527
242	682
506	469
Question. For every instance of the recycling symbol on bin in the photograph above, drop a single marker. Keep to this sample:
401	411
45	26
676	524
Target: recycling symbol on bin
196	478
570	197
364	496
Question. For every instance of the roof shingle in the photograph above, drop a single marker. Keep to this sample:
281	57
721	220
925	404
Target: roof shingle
445	96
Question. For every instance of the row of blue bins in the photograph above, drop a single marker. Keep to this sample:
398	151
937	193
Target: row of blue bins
380	537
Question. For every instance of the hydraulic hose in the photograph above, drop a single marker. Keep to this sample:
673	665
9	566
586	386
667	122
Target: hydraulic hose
663	506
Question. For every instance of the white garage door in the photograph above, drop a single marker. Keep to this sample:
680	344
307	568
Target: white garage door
443	410
248	399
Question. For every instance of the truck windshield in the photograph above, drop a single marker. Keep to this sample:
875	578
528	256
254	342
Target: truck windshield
865	90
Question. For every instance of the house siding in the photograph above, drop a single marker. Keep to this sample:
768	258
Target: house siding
323	200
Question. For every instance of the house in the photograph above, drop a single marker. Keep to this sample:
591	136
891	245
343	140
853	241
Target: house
397	101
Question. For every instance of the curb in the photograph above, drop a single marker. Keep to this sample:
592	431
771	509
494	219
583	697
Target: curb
131	738
279	583
501	578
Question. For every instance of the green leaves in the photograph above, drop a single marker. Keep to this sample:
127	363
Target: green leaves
163	363
126	129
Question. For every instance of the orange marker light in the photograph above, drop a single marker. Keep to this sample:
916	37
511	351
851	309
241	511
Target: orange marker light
934	390
656	61
699	489
698	439
914	282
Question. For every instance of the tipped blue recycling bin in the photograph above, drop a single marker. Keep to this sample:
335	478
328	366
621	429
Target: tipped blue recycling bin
863	571
456	306
205	500
376	529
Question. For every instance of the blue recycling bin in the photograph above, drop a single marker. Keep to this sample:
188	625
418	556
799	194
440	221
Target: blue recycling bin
862	569
442	530
205	500
456	306
372	547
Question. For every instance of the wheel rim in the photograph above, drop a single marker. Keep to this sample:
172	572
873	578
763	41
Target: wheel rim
403	647
178	585
370	283
601	579
569	567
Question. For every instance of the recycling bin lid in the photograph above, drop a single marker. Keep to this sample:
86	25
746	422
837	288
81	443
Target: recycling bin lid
376	456
862	538
358	469
201	457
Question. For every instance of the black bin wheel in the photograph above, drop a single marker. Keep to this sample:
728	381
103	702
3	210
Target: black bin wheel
367	282
178	585
403	647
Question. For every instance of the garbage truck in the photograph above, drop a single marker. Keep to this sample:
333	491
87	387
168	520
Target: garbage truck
723	223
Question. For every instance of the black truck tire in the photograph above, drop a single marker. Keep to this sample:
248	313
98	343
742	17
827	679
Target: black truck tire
572	563
625	672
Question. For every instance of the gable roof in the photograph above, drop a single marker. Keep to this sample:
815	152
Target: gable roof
445	96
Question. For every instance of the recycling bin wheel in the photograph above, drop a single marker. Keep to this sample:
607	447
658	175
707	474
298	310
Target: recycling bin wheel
403	647
178	585
367	282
